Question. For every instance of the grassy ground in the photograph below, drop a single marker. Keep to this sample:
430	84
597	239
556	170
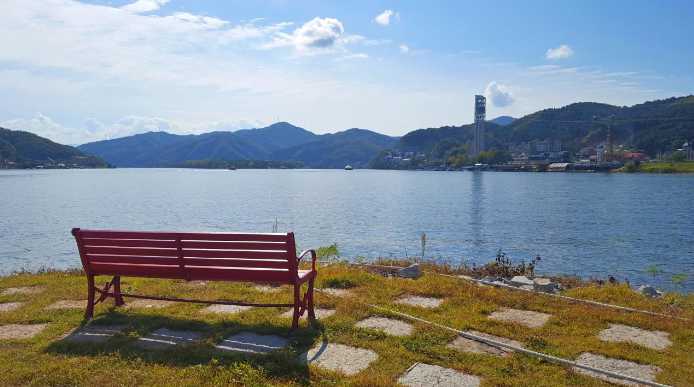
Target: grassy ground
667	167
46	360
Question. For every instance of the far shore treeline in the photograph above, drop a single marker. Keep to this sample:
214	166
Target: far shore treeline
656	129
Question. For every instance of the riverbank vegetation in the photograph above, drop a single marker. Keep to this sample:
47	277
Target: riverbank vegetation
660	167
571	330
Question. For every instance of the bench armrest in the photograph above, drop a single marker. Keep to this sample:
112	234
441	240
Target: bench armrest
313	258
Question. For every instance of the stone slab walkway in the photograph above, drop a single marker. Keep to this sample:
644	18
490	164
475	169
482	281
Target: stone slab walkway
20	331
339	358
425	375
147	304
95	333
68	304
226	309
164	338
250	342
645	372
473	346
657	340
337	292
419	301
387	325
10	306
527	318
23	290
320	313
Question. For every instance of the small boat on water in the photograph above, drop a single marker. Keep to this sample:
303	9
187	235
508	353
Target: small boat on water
232	168
348	167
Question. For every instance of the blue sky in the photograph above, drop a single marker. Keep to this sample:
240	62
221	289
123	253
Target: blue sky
82	71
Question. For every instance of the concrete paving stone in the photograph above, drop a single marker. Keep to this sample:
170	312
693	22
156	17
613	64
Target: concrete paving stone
164	338
20	331
528	318
657	340
94	333
425	375
645	372
422	302
320	313
226	309
23	290
10	306
337	292
68	304
339	358
468	345
147	304
387	325
250	342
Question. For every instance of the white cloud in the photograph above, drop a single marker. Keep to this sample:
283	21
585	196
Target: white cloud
404	48
384	17
499	94
144	6
202	21
43	126
318	33
95	130
359	55
561	52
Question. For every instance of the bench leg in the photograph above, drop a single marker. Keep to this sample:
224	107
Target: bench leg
116	291
309	292
297	306
89	313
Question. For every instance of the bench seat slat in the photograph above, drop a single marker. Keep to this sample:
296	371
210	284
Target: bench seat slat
149	243
226	274
124	259
132	252
279	246
241	254
153	271
276	237
249	263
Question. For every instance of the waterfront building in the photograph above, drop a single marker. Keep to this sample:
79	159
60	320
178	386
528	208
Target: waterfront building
688	148
478	135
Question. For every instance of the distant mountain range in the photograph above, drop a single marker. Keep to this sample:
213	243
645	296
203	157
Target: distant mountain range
653	127
19	149
503	120
278	142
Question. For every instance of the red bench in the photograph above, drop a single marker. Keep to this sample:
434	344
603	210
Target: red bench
259	258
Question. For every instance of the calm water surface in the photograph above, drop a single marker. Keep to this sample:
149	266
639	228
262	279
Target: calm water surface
585	224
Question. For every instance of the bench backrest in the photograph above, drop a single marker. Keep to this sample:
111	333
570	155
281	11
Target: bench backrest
190	256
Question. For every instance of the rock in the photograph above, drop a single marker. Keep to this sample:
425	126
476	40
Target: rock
545	285
649	291
420	375
521	280
412	271
339	358
422	302
657	340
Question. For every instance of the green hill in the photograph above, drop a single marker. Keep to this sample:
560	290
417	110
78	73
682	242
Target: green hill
355	147
19	149
653	127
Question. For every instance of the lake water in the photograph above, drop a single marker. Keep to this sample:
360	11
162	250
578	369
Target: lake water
584	224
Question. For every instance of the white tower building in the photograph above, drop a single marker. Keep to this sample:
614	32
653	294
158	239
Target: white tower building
480	116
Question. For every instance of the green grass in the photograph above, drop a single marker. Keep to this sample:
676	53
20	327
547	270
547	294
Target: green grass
667	167
46	360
